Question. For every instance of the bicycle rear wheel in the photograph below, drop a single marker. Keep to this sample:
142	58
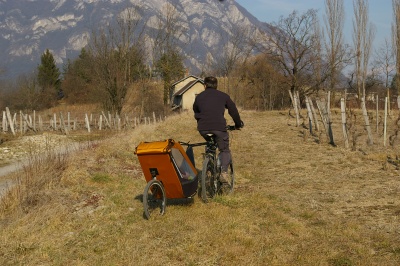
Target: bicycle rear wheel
154	198
231	173
208	180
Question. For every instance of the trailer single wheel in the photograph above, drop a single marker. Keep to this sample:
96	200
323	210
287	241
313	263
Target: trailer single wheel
154	198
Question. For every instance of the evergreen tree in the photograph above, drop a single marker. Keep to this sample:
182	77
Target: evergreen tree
48	72
170	67
77	84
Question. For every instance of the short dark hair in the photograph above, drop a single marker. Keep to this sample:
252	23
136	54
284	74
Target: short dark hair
211	82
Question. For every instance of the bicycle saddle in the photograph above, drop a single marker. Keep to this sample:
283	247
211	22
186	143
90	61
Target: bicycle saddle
210	137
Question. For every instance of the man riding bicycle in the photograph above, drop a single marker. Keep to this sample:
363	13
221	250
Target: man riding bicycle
209	108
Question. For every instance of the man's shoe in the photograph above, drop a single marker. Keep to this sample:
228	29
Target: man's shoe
224	178
225	188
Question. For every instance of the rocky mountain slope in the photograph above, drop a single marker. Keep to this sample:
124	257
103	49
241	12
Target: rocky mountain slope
29	27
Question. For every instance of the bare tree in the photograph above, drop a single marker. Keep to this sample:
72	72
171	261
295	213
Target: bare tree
239	41
265	81
292	45
118	57
396	40
337	57
384	62
167	53
319	70
363	34
26	95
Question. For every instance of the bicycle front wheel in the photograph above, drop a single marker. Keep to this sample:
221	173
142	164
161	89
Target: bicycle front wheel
208	180
154	198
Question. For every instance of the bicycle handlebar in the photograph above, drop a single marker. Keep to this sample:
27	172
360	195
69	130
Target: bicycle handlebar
192	144
231	128
228	127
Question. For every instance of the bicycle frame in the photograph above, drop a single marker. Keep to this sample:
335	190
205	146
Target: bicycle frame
211	153
211	168
210	149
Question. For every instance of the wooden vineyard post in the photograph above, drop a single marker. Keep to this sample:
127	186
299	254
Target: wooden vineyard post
34	120
118	121
377	112
344	122
398	102
330	132
21	125
87	122
298	106
296	111
54	122
69	121
40	123
62	124
385	121
366	120
388	105
110	120
10	121
107	122
321	110
4	124
125	122
325	117
310	115
27	123
314	115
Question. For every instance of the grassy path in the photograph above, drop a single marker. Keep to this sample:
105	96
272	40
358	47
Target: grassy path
297	202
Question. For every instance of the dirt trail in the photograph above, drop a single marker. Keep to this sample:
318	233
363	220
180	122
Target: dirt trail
6	183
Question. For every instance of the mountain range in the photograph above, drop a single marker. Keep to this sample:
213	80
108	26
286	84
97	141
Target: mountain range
29	27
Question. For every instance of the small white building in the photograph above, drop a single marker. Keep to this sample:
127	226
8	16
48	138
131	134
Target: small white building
184	91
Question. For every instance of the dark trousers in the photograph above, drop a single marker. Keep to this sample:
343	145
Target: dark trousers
222	139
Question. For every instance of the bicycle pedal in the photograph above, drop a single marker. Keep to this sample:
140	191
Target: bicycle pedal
225	188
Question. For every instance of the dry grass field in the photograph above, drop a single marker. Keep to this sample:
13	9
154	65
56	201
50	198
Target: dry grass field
298	201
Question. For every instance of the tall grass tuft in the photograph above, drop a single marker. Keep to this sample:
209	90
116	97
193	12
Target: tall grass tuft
39	173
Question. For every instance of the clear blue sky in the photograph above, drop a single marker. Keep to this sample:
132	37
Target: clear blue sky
380	14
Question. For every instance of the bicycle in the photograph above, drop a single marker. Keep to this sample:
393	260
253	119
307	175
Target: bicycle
211	169
170	172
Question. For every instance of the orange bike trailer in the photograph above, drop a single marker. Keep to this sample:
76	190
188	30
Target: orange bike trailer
168	162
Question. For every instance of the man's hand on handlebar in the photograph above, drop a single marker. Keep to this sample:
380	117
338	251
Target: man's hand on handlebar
235	127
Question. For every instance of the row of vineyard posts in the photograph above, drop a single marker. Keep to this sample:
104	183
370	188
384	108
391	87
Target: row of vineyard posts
20	123
324	110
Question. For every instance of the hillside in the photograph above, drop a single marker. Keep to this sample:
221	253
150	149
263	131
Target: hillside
297	202
65	27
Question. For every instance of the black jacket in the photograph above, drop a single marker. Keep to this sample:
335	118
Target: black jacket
209	108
